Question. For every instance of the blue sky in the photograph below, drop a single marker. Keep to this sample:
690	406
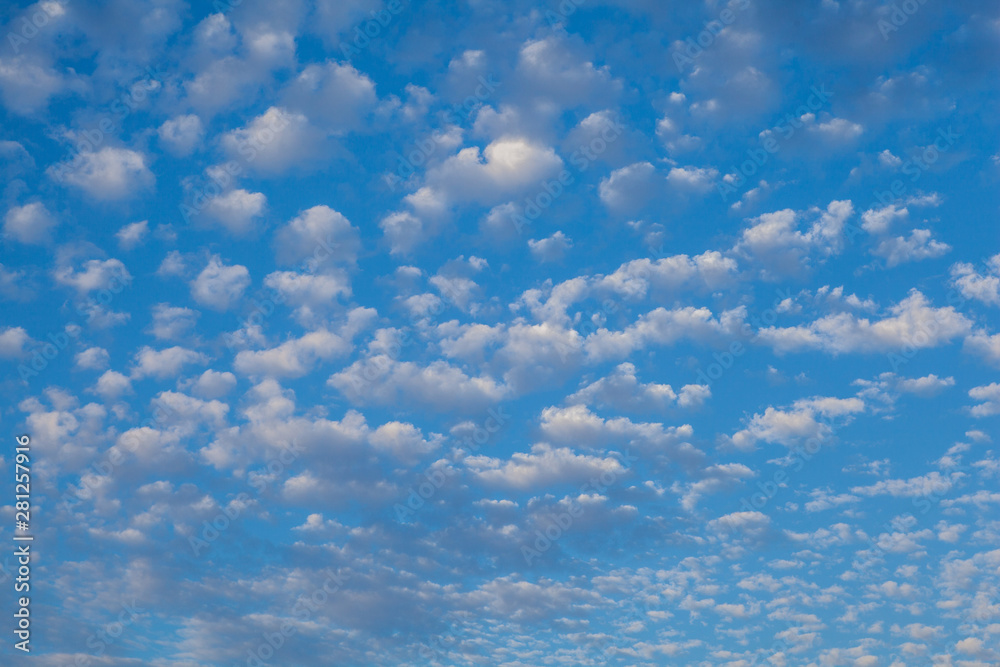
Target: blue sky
611	332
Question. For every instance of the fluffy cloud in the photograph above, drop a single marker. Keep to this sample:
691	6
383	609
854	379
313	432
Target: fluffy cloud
220	286
107	174
918	246
913	321
31	223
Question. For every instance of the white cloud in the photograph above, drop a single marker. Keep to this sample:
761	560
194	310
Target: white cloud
164	363
929	385
171	323
628	188
338	95
983	286
543	467
622	391
181	134
112	384
404	441
320	234
506	166
779	247
274	142
550	249
918	246
989	397
236	210
26	85
213	384
805	419
12	342
96	274
692	179
985	346
107	174
880	220
93	358
31	223
220	286
439	386
403	230
132	234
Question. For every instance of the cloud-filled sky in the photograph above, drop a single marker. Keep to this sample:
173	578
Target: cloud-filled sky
581	332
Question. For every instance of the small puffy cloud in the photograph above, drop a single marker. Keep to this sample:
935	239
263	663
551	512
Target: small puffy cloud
403	230
181	134
26	85
274	142
989	397
774	241
550	249
220	286
213	384
236	210
628	188
805	419
107	174
551	68
112	384
171	323
506	166
985	346
12	342
96	274
404	441
164	363
31	223
93	358
929	385
982	284
336	94
132	234
880	220
919	245
692	179
319	234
